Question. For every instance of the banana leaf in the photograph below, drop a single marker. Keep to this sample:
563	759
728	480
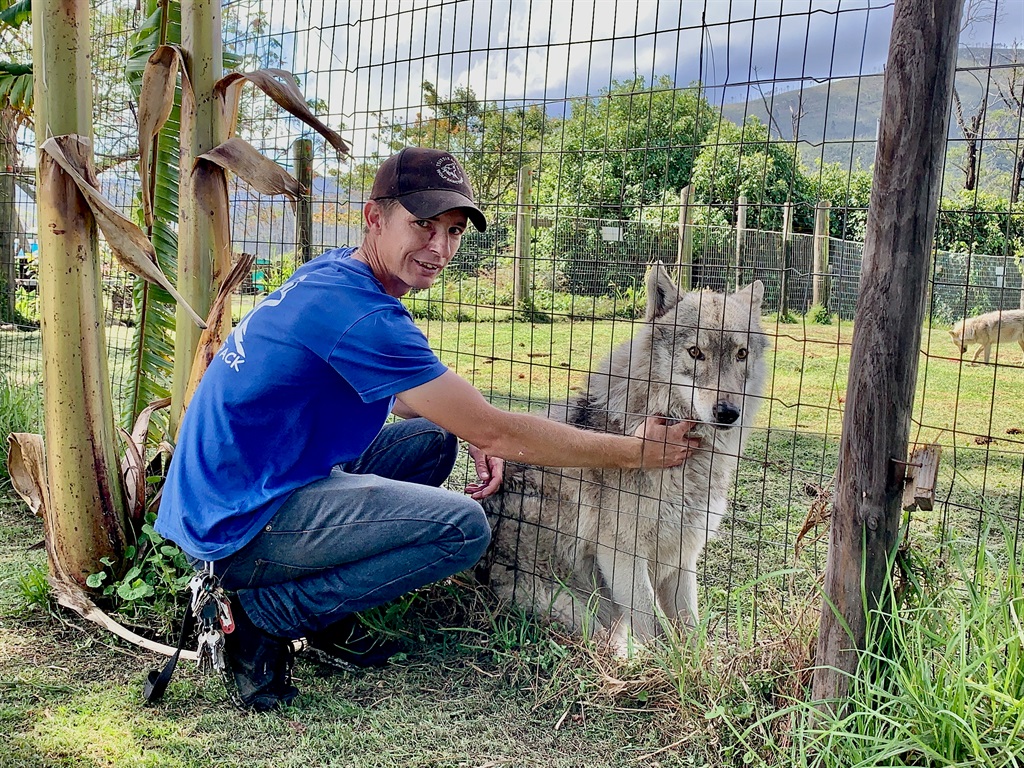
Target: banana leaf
152	346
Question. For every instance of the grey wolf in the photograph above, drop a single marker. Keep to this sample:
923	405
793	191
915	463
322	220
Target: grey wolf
989	329
617	550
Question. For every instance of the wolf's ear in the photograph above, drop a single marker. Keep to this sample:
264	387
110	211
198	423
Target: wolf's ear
756	291
662	293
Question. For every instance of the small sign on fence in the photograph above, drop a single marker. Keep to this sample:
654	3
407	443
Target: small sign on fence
611	234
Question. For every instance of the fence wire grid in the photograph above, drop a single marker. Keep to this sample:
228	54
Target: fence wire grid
614	109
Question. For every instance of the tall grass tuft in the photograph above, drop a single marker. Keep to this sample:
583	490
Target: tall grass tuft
20	411
940	684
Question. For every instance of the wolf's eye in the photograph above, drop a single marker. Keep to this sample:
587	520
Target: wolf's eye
741	354
695	352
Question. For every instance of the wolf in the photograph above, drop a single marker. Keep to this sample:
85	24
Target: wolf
617	550
988	329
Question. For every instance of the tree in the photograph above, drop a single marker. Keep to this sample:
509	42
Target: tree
971	126
980	222
86	504
492	143
248	47
1012	95
743	160
629	146
848	192
87	510
113	121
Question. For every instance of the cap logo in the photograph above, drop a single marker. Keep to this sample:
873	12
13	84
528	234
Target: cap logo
448	169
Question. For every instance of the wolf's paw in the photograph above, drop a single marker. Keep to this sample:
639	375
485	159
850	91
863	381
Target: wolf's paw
620	641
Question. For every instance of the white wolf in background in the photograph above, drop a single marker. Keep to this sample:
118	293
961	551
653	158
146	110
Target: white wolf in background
619	548
988	329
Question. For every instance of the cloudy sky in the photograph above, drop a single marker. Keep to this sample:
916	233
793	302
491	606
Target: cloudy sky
367	55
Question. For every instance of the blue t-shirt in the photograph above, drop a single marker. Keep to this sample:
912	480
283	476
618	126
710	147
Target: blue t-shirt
304	382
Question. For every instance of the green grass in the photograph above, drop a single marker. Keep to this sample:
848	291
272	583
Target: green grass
942	683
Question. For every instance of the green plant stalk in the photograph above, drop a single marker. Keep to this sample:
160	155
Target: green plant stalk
87	512
201	131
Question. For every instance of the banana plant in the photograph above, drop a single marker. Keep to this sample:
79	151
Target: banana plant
206	181
152	348
74	199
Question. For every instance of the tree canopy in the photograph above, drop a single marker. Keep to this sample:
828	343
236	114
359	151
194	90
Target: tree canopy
627	147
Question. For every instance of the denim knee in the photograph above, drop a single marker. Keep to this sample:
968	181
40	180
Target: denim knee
476	534
448	451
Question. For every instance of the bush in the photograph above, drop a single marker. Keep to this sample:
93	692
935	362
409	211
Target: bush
479	250
156	580
591	266
819	315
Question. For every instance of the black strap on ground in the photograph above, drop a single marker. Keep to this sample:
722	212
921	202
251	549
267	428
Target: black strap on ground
156	682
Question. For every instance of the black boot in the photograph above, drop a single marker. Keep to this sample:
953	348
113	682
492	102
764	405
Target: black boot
260	664
349	641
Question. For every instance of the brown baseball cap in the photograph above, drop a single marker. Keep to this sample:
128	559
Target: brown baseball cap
427	182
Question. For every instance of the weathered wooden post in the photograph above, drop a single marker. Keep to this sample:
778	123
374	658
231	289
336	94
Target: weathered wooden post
787	257
741	238
523	286
302	151
684	250
820	286
887	330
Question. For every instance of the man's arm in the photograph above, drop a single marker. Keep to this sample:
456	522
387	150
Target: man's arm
403	411
453	403
490	470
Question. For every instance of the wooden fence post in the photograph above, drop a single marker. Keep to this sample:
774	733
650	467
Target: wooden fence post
684	251
820	286
741	238
787	257
887	331
302	151
523	287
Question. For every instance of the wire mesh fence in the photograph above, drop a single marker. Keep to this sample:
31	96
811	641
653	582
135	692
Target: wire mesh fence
611	145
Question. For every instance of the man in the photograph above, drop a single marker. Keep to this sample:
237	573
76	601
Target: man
285	475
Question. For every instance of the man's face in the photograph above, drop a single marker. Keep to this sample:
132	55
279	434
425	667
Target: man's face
411	252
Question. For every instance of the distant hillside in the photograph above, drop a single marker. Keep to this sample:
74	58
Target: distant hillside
836	122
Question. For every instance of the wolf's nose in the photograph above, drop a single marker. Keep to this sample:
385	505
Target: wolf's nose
725	413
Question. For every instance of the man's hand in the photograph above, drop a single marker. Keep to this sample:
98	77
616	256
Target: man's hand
665	444
489	469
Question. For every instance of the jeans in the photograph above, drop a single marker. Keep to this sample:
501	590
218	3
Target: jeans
378	527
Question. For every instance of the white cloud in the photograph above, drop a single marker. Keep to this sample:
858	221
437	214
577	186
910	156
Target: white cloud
364	57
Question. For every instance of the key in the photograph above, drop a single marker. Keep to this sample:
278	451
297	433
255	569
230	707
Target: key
209	613
211	650
224	616
206	649
197	585
215	645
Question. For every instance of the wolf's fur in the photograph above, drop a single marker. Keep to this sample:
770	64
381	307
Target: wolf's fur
989	329
619	548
